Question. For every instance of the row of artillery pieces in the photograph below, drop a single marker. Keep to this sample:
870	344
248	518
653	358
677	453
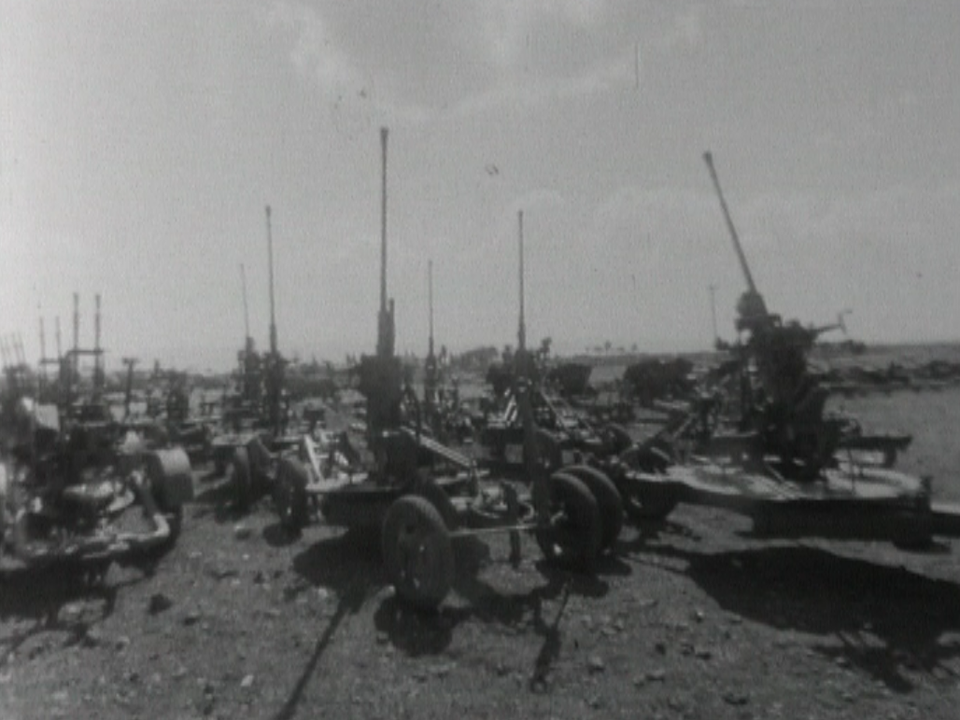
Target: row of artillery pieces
535	463
565	473
751	436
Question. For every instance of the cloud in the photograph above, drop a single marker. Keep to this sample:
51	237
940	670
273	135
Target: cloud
688	27
314	51
683	30
659	219
507	26
434	87
907	216
608	75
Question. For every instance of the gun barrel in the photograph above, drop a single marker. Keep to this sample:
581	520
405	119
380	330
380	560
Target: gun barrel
385	319
273	317
430	303
383	219
522	329
246	310
708	158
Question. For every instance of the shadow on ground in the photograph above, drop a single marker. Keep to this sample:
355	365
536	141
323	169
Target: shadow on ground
417	633
347	565
218	498
55	599
884	619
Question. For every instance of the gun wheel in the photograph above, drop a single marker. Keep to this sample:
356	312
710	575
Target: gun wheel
291	495
609	502
438	497
241	480
572	538
417	552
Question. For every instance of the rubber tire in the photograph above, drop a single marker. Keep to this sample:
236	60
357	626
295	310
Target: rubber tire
413	527
573	540
440	500
291	495
608	500
241	480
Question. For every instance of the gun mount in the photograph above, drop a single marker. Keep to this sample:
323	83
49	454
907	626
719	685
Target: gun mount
74	471
381	376
419	510
255	416
783	402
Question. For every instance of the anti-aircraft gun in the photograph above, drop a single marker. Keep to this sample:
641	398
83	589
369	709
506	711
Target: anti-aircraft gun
441	414
395	422
255	416
418	511
73	476
381	374
431	370
403	454
784	404
562	433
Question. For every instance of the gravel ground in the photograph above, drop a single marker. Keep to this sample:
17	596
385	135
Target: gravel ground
691	618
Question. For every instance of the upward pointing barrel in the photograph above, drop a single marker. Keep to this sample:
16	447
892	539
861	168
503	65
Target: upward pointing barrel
383	220
522	329
385	322
708	158
273	318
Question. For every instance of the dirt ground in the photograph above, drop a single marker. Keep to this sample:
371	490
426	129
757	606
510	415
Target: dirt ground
691	618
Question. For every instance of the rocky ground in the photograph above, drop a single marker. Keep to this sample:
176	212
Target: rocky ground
691	619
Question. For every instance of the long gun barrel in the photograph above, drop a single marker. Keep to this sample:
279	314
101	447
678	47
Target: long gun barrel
246	311
381	380
522	329
708	158
383	219
273	317
430	302
385	320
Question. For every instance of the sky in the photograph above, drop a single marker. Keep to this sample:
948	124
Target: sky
140	144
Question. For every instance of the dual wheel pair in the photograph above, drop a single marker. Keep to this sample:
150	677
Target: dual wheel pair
249	481
584	519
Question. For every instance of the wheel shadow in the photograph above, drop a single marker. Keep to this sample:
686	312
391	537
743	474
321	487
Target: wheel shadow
216	499
348	565
42	598
277	536
654	531
886	620
419	633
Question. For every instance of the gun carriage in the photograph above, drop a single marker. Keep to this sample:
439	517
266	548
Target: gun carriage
760	443
422	496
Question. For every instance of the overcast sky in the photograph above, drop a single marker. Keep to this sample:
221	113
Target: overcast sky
140	143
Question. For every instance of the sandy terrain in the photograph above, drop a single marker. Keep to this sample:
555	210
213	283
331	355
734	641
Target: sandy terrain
690	619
